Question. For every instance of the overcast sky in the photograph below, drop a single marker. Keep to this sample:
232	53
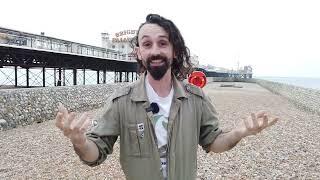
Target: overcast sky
275	37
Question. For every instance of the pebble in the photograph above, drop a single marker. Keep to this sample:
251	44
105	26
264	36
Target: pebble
287	150
3	123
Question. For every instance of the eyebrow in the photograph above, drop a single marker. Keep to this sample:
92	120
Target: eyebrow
161	36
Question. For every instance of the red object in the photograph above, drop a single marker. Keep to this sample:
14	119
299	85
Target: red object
198	78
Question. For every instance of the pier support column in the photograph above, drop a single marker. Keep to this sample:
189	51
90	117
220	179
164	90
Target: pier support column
27	73
74	77
104	76
43	77
120	76
54	77
132	77
60	77
15	76
127	76
98	80
84	76
64	77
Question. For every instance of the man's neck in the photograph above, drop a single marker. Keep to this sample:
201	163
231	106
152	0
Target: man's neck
163	86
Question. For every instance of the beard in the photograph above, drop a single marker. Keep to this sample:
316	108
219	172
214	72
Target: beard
157	72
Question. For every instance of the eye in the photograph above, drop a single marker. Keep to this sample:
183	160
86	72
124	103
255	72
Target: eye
163	43
146	44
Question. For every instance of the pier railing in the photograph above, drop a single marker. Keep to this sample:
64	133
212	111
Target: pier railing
27	40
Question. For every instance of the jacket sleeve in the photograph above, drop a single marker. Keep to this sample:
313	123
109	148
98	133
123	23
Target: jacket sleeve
105	131
209	128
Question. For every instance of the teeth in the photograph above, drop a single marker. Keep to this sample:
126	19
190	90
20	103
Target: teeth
157	61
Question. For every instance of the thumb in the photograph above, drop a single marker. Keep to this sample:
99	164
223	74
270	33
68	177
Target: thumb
63	110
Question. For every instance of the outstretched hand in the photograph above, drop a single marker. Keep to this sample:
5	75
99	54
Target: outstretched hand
71	127
256	123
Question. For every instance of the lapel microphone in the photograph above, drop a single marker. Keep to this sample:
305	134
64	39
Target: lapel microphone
154	107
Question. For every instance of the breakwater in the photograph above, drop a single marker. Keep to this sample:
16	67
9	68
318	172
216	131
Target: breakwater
304	98
19	107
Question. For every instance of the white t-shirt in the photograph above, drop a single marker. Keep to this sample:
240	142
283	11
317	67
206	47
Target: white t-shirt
160	122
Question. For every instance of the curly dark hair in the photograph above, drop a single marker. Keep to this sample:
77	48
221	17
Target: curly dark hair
181	65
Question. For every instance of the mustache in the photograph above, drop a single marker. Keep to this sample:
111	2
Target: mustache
155	57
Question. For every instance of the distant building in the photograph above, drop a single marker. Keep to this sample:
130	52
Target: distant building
119	41
247	69
194	60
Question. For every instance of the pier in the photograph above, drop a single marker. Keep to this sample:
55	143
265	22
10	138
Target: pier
30	60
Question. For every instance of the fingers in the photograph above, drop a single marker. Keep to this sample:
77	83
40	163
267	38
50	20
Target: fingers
79	123
273	121
70	119
59	120
70	125
264	122
86	125
259	122
79	126
67	129
254	121
61	116
63	110
247	124
260	114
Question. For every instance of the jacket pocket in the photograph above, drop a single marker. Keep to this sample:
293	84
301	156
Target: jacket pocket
138	141
133	147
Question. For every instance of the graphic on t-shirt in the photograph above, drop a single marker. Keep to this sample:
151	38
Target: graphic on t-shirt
160	124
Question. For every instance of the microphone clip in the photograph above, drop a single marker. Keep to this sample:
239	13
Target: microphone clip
154	108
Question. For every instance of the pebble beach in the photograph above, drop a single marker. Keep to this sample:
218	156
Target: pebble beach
288	150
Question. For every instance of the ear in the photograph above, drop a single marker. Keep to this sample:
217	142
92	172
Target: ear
174	55
137	52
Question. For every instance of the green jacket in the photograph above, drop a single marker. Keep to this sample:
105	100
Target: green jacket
192	121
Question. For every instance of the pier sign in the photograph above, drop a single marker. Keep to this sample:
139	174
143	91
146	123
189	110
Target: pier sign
124	36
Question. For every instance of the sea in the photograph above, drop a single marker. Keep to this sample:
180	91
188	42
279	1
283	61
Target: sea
305	82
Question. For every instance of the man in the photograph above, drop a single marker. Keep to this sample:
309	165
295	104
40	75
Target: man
160	119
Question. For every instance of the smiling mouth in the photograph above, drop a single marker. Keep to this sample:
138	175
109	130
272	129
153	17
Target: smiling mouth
157	62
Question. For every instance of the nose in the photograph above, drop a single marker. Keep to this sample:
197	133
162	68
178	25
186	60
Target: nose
155	50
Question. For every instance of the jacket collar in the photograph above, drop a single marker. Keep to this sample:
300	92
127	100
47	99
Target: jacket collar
139	92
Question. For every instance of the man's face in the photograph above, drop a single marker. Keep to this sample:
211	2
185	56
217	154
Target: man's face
155	50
